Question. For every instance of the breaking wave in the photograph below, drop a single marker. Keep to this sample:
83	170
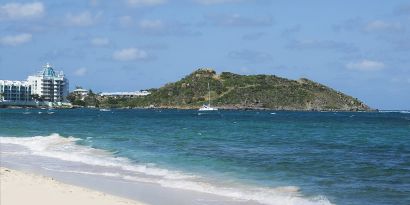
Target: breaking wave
66	148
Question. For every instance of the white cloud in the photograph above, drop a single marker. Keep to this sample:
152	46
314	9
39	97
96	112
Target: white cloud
151	24
80	72
366	65
160	27
322	45
141	3
16	39
379	25
374	26
81	19
400	80
211	2
237	20
100	41
129	54
21	10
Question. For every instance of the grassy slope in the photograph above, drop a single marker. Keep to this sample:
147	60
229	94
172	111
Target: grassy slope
231	90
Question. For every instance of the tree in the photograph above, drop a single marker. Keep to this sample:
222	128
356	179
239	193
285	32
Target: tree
79	102
71	97
91	93
91	101
36	97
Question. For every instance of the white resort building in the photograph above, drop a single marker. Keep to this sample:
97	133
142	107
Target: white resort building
81	91
45	88
15	91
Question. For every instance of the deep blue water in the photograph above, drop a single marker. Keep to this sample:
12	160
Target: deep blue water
346	158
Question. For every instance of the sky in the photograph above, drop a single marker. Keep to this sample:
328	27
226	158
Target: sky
360	47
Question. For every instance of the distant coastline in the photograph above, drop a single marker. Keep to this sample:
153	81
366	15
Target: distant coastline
203	86
230	91
195	108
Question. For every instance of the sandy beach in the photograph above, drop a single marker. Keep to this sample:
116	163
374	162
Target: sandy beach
18	187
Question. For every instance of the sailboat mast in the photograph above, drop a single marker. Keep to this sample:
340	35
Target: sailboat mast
209	95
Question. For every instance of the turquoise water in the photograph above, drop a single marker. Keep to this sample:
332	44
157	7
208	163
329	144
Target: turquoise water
266	156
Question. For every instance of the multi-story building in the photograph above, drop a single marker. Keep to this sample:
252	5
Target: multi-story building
49	85
46	86
15	91
81	91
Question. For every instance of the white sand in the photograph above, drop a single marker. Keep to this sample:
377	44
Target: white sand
23	188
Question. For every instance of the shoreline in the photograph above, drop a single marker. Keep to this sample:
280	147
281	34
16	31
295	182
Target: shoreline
195	108
38	189
107	180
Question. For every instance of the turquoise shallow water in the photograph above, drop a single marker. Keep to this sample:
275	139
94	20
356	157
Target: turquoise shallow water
325	157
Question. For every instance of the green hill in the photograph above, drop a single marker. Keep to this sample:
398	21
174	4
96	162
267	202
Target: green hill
229	90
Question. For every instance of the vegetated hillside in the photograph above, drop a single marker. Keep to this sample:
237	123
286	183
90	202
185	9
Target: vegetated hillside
229	90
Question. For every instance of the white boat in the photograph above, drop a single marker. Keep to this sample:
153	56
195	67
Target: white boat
104	110
208	107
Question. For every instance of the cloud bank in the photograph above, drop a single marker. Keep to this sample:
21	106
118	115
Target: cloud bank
16	11
142	3
130	54
15	40
366	65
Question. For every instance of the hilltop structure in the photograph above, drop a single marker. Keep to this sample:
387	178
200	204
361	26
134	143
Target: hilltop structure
47	87
81	91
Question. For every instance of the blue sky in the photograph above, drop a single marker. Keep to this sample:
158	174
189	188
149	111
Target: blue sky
360	47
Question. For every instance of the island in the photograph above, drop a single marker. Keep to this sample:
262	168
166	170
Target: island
234	91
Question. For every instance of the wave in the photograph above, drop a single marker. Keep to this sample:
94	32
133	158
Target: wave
395	111
67	149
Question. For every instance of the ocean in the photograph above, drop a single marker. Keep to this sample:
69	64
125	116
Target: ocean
261	157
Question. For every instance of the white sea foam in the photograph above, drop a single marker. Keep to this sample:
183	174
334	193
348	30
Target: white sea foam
396	111
56	146
108	174
65	148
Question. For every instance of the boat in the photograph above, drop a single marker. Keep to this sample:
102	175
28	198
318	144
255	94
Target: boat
208	107
104	110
